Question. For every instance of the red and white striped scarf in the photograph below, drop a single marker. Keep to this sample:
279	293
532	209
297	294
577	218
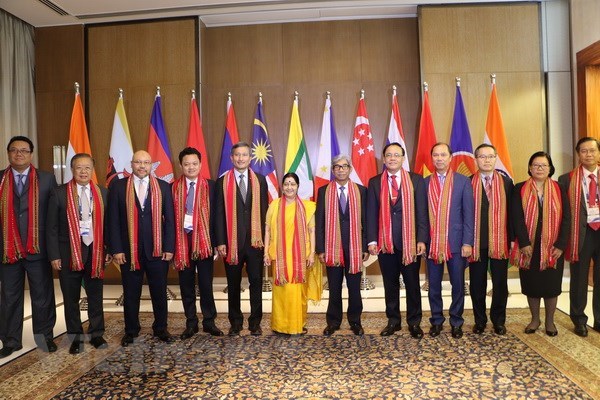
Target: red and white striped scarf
201	245
409	236
298	245
497	217
13	249
552	212
334	255
132	220
575	196
77	263
439	216
230	195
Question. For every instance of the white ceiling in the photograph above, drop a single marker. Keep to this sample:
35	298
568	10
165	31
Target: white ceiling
213	13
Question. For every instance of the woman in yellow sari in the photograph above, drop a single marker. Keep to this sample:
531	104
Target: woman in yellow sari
290	250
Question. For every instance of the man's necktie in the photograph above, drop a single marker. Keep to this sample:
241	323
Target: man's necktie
488	186
20	183
189	200
394	183
85	216
141	193
442	179
593	199
343	199
242	187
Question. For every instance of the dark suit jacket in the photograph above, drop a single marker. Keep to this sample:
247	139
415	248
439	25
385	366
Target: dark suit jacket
344	222
462	214
484	226
421	217
47	182
57	226
243	212
520	228
117	222
565	181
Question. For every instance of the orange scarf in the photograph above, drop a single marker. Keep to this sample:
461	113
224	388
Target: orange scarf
334	255
409	236
440	199
201	245
552	212
13	249
298	245
132	220
77	263
230	195
497	217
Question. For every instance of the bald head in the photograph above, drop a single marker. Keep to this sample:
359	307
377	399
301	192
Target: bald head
141	164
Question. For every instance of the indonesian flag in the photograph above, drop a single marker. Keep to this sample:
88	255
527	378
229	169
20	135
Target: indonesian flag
296	156
158	145
423	162
79	141
121	150
196	137
363	149
463	160
395	132
328	148
494	134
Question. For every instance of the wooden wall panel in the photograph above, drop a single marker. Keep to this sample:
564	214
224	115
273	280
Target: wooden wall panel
59	63
472	42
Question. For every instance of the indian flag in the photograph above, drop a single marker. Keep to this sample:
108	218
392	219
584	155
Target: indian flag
79	141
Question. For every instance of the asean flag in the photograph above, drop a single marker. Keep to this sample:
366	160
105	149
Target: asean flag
460	139
158	146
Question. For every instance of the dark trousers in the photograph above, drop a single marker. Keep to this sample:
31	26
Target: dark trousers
478	272
187	278
253	258
156	273
70	285
12	294
391	267
579	279
335	278
456	270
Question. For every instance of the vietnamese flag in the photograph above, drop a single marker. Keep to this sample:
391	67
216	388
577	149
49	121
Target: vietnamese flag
196	137
423	162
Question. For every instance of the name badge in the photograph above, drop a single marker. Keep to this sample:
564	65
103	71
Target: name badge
85	227
593	214
188	222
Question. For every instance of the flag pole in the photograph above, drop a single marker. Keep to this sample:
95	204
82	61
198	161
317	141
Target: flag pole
362	94
267	286
328	95
493	78
457	79
157	91
193	94
76	87
393	90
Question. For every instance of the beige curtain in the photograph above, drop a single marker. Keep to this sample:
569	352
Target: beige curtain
17	94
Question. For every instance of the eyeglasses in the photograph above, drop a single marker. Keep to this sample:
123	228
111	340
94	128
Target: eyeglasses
344	167
539	166
13	150
395	155
140	162
488	157
83	169
588	151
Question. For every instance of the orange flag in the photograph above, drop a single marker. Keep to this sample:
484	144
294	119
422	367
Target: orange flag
423	163
196	137
79	141
494	133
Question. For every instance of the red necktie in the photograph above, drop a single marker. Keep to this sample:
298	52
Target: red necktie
592	200
394	189
488	186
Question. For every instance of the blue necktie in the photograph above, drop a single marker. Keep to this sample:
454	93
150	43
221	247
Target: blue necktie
20	183
343	200
189	200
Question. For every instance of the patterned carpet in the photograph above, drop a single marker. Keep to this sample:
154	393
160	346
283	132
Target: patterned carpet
515	366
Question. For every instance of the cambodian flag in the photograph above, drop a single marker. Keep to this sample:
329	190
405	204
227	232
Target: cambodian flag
460	139
229	139
158	146
262	154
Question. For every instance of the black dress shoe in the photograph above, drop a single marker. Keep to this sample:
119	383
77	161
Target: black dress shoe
435	330
499	329
415	331
357	329
164	336
213	330
457	332
235	331
478	329
8	350
50	346
329	330
581	330
390	329
76	347
255	330
98	342
126	340
188	333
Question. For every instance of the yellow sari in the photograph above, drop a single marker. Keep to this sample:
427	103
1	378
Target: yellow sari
290	301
